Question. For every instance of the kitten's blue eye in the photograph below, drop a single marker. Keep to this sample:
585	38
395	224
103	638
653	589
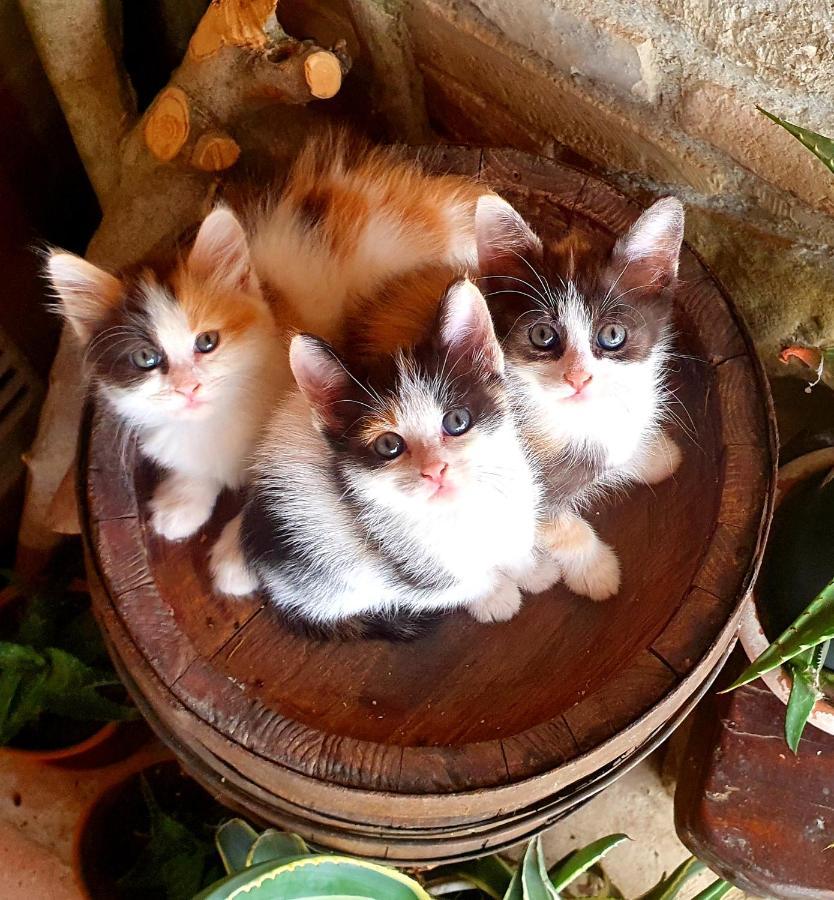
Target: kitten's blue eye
207	341
612	337
389	445
543	336
457	421
146	357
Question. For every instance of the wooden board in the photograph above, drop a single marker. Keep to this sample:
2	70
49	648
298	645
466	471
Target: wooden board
756	813
474	723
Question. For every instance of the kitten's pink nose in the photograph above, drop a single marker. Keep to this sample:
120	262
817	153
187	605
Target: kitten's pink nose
434	471
578	379
188	390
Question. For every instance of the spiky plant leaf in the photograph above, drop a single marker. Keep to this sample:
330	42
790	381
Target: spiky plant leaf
821	146
322	877
272	845
812	627
670	887
805	670
715	891
490	875
234	840
583	859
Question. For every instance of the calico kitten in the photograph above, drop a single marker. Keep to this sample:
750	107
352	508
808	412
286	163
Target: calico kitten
588	336
396	489
187	356
350	217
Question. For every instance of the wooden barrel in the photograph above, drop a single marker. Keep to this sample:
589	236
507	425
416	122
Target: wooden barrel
479	735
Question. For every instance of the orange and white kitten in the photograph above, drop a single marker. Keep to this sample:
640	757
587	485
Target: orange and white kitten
187	355
349	218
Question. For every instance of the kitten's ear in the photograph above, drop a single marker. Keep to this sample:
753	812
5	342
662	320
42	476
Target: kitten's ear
220	253
502	236
320	376
647	255
85	293
465	326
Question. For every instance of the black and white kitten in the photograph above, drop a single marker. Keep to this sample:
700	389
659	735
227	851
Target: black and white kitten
392	491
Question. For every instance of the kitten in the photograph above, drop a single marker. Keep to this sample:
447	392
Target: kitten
587	335
396	490
187	356
350	217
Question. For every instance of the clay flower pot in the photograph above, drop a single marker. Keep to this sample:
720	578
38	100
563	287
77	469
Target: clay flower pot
89	744
113	834
751	632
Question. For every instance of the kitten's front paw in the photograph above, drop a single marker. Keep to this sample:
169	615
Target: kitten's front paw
662	462
544	575
499	606
180	506
598	577
229	572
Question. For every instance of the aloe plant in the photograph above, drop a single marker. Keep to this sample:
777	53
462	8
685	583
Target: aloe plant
275	864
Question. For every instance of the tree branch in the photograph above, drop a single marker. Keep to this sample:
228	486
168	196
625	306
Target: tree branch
386	43
78	48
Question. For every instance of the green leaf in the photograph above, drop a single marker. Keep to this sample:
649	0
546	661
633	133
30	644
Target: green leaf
72	690
812	627
716	890
490	875
234	839
515	890
534	878
316	876
583	859
822	147
669	888
805	670
173	861
272	845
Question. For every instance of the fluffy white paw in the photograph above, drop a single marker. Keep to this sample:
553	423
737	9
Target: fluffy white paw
229	572
598	576
500	606
180	506
544	575
662	461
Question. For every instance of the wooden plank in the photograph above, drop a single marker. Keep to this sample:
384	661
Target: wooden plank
608	711
751	810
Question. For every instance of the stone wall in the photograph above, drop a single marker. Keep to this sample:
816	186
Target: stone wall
662	95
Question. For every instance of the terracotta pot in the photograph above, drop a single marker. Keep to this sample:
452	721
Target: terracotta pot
751	632
111	833
109	743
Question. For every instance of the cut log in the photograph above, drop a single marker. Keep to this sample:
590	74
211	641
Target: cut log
214	152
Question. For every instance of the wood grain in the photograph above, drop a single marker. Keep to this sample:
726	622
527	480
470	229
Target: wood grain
475	733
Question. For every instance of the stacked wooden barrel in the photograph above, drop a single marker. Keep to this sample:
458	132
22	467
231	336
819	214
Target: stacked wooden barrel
477	736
